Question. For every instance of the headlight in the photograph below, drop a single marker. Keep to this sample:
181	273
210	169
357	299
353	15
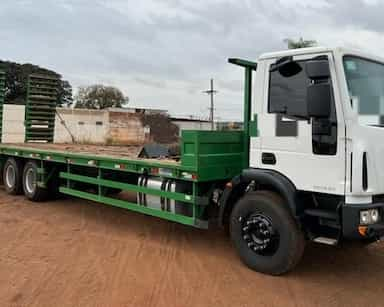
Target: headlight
370	216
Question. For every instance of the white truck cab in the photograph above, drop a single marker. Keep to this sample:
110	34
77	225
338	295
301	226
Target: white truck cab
318	151
331	160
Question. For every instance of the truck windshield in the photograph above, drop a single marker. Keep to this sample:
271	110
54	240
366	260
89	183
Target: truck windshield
365	81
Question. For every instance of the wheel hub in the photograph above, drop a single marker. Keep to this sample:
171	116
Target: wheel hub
30	181
10	176
259	234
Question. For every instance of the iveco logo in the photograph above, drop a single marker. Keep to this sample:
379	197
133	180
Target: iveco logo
324	188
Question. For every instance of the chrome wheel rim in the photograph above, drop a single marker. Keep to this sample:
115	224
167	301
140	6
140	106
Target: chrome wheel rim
30	180
10	176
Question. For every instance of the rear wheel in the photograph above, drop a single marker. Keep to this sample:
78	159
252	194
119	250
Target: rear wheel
265	233
112	191
12	176
30	187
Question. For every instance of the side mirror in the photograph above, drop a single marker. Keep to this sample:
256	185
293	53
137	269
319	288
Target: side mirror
319	98
317	69
286	66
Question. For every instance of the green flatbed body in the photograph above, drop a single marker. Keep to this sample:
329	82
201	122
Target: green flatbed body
207	157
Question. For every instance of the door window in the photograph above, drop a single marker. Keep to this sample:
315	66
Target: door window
288	95
288	90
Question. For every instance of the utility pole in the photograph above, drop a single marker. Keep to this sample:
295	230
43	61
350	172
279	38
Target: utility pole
211	92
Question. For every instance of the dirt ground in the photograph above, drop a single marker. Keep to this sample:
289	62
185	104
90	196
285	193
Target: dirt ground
77	253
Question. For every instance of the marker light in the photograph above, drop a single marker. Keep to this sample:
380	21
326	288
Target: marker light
370	216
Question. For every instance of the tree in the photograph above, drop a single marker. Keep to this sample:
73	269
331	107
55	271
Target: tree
99	97
16	83
301	43
65	94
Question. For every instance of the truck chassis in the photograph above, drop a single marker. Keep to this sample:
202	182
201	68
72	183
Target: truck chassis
208	159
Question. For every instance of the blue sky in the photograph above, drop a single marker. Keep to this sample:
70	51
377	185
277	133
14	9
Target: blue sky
163	53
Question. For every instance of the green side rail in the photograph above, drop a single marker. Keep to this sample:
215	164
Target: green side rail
40	109
99	183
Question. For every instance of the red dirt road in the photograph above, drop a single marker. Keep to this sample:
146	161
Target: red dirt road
77	253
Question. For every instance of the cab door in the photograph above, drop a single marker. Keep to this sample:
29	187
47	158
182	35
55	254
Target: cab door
309	152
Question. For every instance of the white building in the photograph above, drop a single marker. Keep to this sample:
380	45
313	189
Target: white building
111	126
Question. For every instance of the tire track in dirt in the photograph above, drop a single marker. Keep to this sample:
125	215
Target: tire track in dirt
166	253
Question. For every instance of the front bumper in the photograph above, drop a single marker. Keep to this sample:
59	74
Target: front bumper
351	222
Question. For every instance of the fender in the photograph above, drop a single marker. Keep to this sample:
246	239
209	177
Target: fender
233	190
270	178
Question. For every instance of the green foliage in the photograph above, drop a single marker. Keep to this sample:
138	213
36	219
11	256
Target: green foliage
65	94
100	97
17	81
301	43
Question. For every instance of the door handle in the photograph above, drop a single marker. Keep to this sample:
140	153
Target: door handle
268	158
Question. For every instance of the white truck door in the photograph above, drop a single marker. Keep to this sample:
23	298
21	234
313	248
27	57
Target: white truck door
310	153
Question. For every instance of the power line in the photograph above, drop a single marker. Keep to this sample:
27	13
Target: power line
211	92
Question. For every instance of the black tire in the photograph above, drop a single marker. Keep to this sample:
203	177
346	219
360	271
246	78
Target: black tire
286	242
112	191
12	176
31	190
54	186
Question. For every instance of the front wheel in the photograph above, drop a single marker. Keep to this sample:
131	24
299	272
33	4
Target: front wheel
266	234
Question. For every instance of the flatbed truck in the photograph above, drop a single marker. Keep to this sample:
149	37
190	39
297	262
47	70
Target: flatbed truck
308	165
